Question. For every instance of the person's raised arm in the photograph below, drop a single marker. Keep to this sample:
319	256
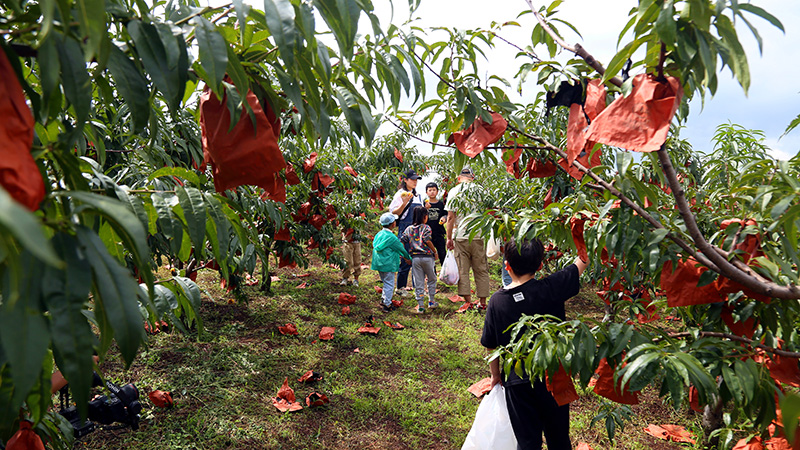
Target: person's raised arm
582	265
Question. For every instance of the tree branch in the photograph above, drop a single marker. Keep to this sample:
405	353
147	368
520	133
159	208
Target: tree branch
737	338
577	49
615	192
747	278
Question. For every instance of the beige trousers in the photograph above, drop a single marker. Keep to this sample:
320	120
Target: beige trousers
472	254
352	255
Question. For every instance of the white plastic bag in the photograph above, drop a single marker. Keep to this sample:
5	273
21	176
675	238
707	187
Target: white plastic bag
449	272
491	429
493	247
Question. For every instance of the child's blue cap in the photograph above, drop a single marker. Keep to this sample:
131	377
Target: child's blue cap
387	218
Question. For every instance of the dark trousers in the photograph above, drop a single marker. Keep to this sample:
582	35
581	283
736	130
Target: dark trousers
440	242
533	411
402	274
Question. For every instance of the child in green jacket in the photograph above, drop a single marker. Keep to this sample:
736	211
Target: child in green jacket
386	253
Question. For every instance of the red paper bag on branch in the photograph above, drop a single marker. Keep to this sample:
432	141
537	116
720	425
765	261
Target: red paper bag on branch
605	387
245	155
541	169
291	176
479	135
512	163
19	174
639	121
25	438
310	162
398	154
350	170
561	386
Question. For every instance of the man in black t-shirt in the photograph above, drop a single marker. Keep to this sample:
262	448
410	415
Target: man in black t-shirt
437	216
531	407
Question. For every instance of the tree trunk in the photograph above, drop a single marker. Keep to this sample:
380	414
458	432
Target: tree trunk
712	420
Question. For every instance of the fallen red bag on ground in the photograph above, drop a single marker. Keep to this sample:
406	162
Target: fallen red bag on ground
346	299
369	329
561	386
316	399
481	387
753	444
289	329
604	386
245	155
25	438
19	174
286	401
479	135
394	326
639	121
345	310
162	399
310	377
326	333
674	433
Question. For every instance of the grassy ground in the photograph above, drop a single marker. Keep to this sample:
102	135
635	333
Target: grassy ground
401	389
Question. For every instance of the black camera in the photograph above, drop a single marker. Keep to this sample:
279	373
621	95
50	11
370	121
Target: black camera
121	405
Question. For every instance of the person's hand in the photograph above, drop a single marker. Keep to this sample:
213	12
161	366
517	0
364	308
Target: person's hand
442	220
408	261
450	244
495	380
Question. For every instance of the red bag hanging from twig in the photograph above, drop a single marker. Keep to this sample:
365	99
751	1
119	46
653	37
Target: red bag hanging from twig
639	121
19	174
479	135
243	155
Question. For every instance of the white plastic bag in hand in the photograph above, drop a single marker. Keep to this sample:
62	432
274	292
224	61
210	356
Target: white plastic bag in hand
493	247
449	272
491	429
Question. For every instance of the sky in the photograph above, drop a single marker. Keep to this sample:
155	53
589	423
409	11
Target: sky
773	97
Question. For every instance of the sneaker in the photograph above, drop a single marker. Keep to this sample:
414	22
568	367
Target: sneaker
344	282
432	305
355	283
418	310
401	293
386	309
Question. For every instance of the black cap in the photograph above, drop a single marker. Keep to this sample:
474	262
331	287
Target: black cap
411	175
431	185
467	172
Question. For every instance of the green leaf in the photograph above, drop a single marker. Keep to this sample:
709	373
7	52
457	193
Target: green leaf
790	407
192	293
132	85
92	20
194	211
781	207
179	172
24	334
115	296
236	72
666	27
213	53
168	222
280	22
242	10
760	12
75	79
737	59
25	227
125	223
64	293
164	57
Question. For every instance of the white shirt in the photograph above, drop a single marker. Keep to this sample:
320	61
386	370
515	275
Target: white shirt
397	201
